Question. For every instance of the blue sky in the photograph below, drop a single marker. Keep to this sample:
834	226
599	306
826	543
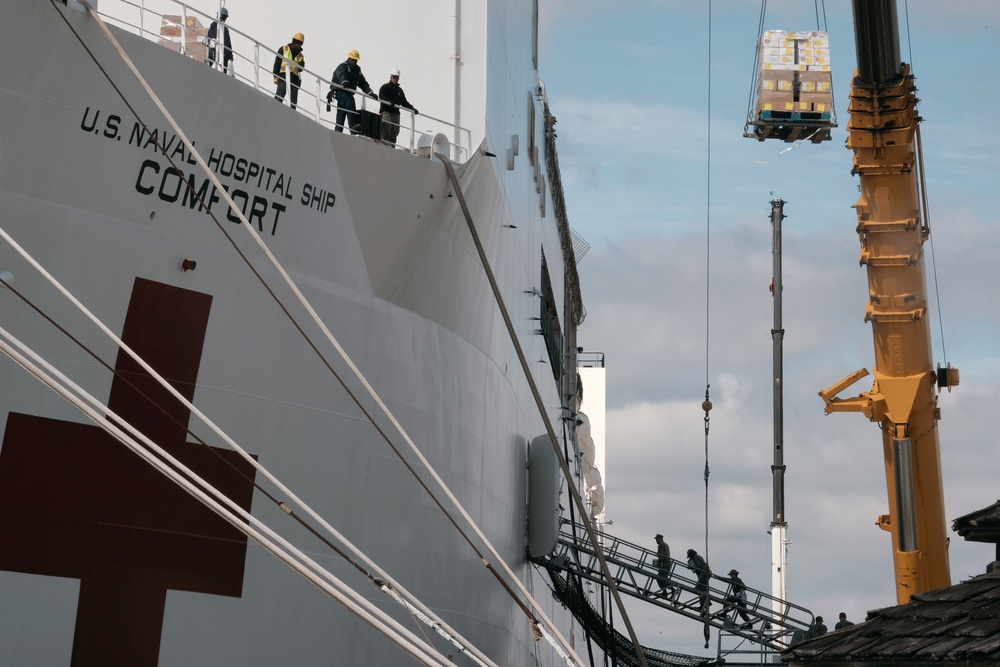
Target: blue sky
675	202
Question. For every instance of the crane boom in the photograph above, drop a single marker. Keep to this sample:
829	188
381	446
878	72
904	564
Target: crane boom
884	135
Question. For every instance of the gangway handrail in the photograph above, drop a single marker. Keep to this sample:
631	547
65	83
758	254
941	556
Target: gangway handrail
636	573
312	92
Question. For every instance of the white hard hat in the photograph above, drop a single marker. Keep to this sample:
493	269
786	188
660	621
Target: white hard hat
394	72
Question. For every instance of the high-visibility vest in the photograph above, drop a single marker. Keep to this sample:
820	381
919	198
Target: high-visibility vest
287	53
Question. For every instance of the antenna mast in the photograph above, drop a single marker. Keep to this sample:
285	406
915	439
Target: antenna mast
779	526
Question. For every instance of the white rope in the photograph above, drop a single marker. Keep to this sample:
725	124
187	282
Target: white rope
228	440
236	516
536	394
566	657
326	331
435	625
333	341
795	144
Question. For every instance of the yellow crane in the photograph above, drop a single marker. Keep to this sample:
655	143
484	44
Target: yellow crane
892	227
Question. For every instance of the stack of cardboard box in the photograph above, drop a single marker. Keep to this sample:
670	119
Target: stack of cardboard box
192	35
794	75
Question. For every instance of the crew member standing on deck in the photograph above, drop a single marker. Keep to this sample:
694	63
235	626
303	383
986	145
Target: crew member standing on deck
287	65
349	78
214	38
393	99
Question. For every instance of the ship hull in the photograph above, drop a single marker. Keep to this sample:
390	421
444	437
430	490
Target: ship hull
94	187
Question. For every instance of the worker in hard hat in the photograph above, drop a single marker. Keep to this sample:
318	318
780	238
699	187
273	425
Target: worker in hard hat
214	38
345	80
393	99
288	65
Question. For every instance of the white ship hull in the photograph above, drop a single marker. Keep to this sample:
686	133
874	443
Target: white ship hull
377	242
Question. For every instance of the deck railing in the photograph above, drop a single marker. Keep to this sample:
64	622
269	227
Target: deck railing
675	586
252	64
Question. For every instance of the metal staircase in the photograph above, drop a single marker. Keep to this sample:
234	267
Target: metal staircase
773	623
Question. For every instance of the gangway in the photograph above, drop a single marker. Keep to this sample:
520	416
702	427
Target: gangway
773	622
617	647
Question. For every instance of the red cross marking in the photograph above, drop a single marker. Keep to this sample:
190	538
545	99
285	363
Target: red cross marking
76	503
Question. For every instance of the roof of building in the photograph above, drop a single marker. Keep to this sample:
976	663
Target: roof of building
959	623
980	526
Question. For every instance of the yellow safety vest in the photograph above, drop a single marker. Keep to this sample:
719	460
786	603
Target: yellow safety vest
287	53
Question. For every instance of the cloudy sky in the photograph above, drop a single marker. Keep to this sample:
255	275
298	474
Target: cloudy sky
651	98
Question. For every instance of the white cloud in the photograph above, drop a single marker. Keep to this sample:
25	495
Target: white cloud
645	295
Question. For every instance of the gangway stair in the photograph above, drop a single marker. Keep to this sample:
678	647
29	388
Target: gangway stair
616	646
773	623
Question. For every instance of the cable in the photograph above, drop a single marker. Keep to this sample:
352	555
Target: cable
337	346
236	516
833	90
753	72
392	585
350	363
708	258
273	260
540	404
909	42
930	238
923	198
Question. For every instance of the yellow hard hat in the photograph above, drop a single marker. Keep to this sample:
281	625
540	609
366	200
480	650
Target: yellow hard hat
354	55
299	37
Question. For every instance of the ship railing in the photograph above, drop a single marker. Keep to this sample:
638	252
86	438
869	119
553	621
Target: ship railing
590	359
673	586
252	64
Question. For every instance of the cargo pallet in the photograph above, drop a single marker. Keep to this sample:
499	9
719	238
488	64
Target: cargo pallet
769	115
789	131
